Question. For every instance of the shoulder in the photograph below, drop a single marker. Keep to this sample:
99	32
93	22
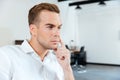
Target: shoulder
5	60
8	48
9	53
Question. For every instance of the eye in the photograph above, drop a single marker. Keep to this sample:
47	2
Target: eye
59	27
50	26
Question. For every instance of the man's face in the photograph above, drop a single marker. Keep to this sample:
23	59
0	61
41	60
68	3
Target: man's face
47	32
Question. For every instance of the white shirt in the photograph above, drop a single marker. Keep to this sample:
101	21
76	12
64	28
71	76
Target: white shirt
22	63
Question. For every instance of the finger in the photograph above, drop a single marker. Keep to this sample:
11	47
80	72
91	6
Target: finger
62	43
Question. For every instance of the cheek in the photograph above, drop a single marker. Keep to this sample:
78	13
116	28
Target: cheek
44	34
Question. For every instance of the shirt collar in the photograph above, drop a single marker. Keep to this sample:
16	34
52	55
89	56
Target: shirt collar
25	46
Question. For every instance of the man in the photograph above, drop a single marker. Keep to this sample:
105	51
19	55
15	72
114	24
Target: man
44	56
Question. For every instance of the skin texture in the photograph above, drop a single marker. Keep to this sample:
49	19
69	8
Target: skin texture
45	35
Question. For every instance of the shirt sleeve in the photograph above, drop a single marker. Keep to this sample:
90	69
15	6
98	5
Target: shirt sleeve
5	66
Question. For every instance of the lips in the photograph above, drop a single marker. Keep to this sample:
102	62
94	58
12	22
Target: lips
55	41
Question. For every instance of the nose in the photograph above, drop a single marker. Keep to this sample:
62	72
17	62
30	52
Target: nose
56	32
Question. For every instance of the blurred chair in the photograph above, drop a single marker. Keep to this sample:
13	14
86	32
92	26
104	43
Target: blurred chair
81	59
78	60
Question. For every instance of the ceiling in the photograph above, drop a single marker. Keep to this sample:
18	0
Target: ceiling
84	2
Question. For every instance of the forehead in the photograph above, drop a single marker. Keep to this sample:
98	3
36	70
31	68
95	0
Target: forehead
49	17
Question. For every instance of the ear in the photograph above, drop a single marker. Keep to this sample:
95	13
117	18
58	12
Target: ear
33	29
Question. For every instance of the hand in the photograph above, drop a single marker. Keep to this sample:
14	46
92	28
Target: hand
63	55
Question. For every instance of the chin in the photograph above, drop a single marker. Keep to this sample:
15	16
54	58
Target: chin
54	47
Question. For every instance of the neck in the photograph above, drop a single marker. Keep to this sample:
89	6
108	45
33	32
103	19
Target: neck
39	49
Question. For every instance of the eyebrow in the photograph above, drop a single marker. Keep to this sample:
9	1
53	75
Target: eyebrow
50	24
53	24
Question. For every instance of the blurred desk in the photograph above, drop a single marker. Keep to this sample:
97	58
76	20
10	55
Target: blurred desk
74	56
74	51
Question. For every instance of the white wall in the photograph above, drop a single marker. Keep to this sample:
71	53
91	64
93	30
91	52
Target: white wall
13	19
96	27
70	22
101	33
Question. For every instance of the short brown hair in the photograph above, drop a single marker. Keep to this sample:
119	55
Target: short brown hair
35	10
